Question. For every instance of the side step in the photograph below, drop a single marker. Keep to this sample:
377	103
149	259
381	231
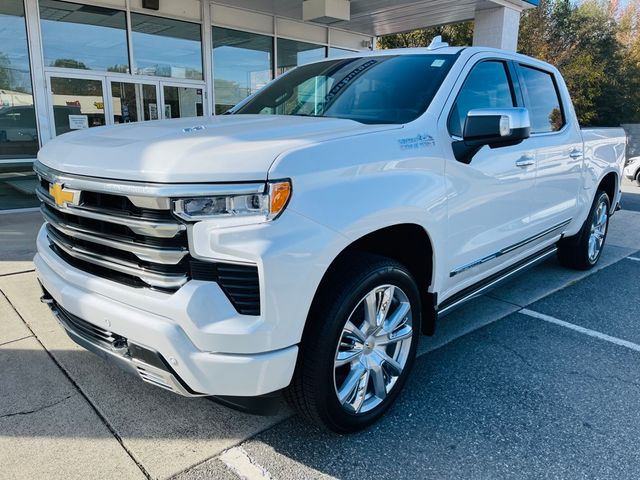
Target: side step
493	281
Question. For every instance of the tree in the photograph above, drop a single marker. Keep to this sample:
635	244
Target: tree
594	43
457	34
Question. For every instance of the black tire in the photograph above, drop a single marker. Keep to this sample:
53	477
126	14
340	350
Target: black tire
637	180
574	252
313	391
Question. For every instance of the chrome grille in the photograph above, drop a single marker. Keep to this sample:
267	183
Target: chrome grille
125	232
110	236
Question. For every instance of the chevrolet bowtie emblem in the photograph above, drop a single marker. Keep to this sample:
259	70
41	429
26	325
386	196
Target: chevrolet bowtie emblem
63	196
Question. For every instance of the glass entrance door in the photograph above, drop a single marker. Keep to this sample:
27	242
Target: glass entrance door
181	101
80	101
133	102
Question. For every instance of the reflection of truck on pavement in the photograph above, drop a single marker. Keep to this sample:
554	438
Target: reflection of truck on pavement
304	241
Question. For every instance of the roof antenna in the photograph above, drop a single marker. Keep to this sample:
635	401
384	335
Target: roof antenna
437	43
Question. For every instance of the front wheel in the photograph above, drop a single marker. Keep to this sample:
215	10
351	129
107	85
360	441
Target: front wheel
582	251
359	344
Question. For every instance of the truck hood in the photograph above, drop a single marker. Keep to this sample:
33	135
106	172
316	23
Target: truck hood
228	148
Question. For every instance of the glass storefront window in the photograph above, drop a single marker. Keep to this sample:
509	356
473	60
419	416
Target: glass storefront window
77	103
182	102
166	48
18	133
338	52
84	37
242	64
133	102
292	53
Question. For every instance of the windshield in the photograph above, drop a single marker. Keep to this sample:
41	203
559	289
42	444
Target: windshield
380	89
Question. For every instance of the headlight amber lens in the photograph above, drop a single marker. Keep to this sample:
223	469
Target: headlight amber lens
279	194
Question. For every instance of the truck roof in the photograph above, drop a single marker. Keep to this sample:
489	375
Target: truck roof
443	50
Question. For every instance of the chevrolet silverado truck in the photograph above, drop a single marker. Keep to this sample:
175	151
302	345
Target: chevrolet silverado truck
302	242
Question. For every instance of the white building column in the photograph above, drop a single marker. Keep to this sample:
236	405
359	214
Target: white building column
497	27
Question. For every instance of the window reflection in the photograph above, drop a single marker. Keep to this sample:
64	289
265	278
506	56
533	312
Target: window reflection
166	48
338	52
182	102
292	53
83	37
77	104
18	134
242	64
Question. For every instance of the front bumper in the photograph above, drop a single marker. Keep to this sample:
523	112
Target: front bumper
188	370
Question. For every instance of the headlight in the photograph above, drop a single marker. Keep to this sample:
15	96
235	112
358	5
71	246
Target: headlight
236	209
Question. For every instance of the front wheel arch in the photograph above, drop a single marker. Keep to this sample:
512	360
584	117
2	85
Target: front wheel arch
407	243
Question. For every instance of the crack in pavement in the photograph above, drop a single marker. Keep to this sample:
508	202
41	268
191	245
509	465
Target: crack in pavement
36	410
16	340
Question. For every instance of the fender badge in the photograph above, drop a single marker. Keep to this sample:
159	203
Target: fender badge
421	140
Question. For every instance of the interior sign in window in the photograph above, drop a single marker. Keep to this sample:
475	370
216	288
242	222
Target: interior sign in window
78	122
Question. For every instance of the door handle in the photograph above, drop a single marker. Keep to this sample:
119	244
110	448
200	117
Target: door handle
526	161
575	153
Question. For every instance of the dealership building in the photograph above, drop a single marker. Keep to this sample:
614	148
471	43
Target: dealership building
68	65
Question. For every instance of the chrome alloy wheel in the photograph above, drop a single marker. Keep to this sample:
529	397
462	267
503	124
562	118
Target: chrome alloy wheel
598	230
373	349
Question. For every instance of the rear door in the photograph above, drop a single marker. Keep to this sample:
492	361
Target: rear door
558	145
490	199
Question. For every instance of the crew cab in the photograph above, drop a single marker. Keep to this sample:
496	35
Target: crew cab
302	242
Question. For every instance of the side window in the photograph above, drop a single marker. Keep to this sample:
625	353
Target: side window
487	86
543	101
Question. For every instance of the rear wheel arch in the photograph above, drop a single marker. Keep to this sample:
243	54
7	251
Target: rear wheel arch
610	184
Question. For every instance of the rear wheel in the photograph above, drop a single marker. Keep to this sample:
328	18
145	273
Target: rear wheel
582	251
638	178
359	344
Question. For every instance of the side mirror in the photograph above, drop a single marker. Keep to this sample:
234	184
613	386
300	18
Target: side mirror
496	127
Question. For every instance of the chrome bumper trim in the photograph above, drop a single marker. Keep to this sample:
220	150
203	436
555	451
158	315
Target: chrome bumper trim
165	256
148	373
141	227
153	279
147	195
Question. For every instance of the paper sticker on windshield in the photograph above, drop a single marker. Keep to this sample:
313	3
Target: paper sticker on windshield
419	141
437	63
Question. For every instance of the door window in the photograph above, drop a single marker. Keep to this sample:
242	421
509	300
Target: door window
133	102
546	111
182	102
487	86
77	103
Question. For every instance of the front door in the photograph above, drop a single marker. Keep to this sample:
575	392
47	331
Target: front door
490	199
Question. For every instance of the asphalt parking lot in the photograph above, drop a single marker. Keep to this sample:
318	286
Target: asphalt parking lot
538	379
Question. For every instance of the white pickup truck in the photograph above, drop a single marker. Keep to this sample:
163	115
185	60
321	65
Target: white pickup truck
304	241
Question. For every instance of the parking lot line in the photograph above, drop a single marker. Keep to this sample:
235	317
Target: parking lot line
635	259
238	460
577	328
